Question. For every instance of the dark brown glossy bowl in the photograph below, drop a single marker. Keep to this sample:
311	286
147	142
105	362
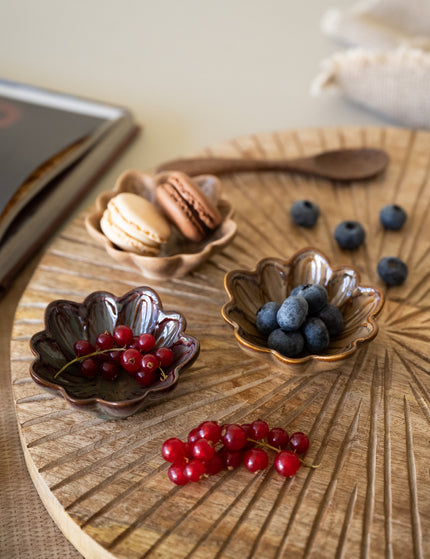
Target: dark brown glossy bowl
68	321
273	280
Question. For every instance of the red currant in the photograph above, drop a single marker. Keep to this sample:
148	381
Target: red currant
123	335
134	344
131	360
255	459
149	362
214	465
210	430
194	435
258	430
115	356
146	377
202	449
232	459
278	437
177	475
287	463
105	340
146	342
194	470
233	437
89	367
82	347
165	355
299	442
174	450
109	370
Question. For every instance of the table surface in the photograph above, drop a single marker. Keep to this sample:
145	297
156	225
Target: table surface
194	75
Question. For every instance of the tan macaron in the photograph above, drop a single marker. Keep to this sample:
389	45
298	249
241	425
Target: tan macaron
186	205
134	224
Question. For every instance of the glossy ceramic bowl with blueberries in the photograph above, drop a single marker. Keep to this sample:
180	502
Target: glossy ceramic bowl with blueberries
112	355
301	309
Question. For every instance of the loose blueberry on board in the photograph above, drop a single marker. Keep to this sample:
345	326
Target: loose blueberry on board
292	313
332	318
265	320
289	344
304	213
392	270
316	335
392	217
314	293
349	234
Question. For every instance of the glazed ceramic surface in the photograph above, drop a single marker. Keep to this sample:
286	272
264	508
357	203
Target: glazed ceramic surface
179	256
273	279
67	321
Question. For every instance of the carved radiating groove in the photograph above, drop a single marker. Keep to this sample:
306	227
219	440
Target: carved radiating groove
413	486
67	431
423	356
388	500
136	429
128	491
419	233
371	463
35	398
264	481
407	318
349	514
423	399
48	417
22	381
315	426
329	492
206	496
359	363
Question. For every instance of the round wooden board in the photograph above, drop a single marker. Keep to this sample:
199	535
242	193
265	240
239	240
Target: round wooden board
104	481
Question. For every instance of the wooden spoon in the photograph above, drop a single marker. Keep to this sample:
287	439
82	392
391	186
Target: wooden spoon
339	165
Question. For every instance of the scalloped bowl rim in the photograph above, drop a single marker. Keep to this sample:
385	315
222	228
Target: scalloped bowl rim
111	404
190	260
311	357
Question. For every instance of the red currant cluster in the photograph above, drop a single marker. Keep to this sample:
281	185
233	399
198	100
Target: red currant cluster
211	447
119	350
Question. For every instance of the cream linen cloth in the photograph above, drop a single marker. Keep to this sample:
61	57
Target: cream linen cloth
386	66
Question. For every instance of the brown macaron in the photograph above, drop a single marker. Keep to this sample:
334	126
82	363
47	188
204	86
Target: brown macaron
186	205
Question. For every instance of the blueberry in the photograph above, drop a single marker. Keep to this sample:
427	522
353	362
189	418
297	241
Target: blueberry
265	320
392	217
392	270
304	213
316	335
314	293
349	234
289	344
292	313
332	318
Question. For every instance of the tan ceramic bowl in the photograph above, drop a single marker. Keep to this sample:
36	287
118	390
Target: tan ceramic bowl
179	256
273	280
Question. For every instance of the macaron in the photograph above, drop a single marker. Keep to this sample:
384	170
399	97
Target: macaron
134	224
186	206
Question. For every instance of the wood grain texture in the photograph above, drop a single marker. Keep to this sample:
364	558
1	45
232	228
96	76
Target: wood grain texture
104	482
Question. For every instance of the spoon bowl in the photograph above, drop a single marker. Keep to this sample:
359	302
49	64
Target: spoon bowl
346	164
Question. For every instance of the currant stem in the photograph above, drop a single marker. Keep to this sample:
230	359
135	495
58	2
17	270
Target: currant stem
267	445
82	357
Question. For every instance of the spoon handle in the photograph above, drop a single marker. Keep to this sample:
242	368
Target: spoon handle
218	166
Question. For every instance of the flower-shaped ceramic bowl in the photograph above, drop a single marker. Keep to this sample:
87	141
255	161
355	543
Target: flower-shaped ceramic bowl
179	256
67	321
273	280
